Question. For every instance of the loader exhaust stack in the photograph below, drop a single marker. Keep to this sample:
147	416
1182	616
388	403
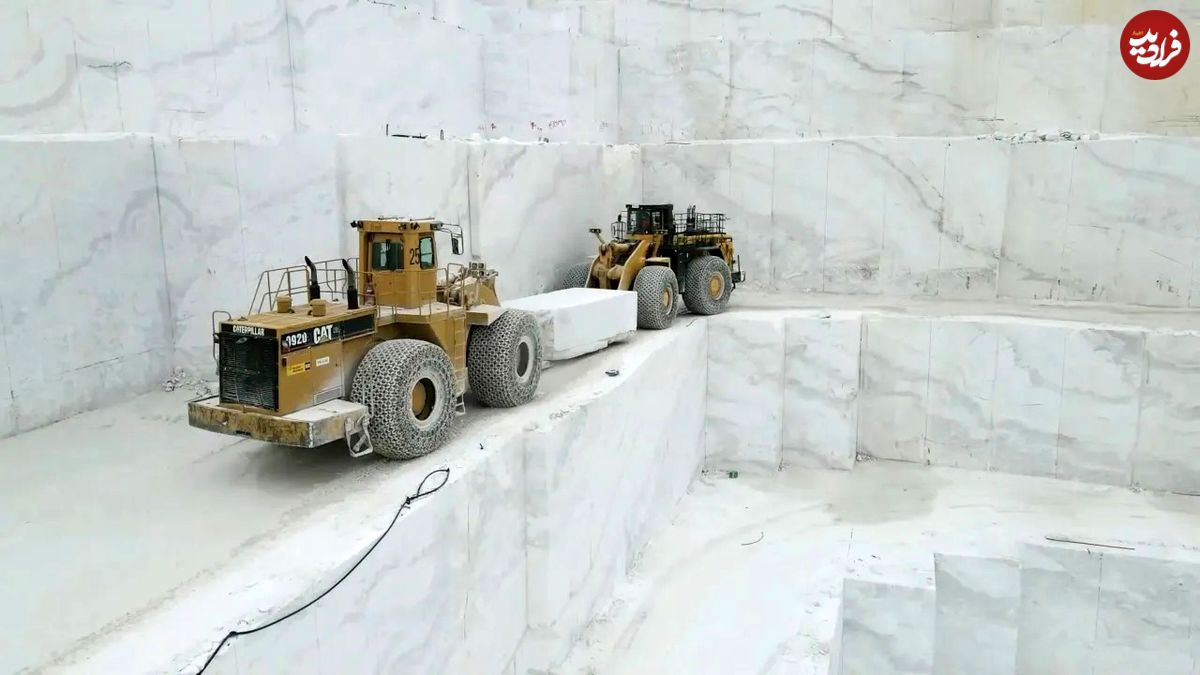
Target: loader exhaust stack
351	286
314	288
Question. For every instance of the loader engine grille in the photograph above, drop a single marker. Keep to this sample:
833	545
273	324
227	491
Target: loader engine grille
248	372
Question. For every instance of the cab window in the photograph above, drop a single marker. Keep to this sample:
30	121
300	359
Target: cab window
386	255
426	253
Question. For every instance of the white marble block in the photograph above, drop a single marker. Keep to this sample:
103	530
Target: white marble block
912	174
772	98
1039	189
859	73
85	315
595	487
674	93
1130	238
975	197
799	215
496	614
743	419
894	399
962	373
1167	456
1147	616
949	88
688	173
527	82
886	628
1056	626
1098	428
371	67
976	625
751	177
8	413
820	392
1030	97
578	321
144	67
1027	398
519	230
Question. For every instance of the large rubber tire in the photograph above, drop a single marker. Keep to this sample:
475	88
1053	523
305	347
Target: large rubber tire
575	276
657	296
408	389
707	285
504	360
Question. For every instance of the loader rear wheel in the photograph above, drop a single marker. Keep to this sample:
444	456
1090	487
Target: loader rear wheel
708	283
575	276
408	389
504	360
657	296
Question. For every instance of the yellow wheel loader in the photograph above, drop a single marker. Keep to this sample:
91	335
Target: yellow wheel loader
379	354
661	255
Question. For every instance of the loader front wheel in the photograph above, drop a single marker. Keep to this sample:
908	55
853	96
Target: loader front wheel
657	297
504	360
408	389
575	276
708	283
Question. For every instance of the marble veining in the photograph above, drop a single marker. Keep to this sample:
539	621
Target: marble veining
222	203
526	197
894	399
1168	427
743	413
1027	397
799	215
80	225
886	628
1097	431
587	516
820	391
1056	624
962	378
977	603
1146	614
689	86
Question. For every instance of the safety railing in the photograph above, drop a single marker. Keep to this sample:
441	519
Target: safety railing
293	282
689	222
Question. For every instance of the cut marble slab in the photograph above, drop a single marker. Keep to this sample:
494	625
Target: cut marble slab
578	321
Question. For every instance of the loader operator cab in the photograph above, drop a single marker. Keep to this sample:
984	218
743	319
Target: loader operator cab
401	267
649	218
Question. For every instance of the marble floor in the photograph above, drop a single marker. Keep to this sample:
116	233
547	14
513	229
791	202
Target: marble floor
132	488
749	576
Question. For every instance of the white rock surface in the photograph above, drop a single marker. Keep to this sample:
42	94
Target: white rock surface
749	578
546	508
1085	397
578	321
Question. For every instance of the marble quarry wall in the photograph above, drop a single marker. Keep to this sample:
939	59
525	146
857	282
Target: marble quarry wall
1109	220
1039	608
1097	402
606	71
861	147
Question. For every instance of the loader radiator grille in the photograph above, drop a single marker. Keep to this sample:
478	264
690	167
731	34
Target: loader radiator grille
248	372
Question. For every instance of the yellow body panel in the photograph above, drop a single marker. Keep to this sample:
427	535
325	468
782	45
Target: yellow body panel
404	295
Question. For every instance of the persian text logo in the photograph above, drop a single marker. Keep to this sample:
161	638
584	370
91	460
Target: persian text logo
1155	44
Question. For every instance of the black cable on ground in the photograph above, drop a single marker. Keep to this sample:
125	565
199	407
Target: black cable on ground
420	493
